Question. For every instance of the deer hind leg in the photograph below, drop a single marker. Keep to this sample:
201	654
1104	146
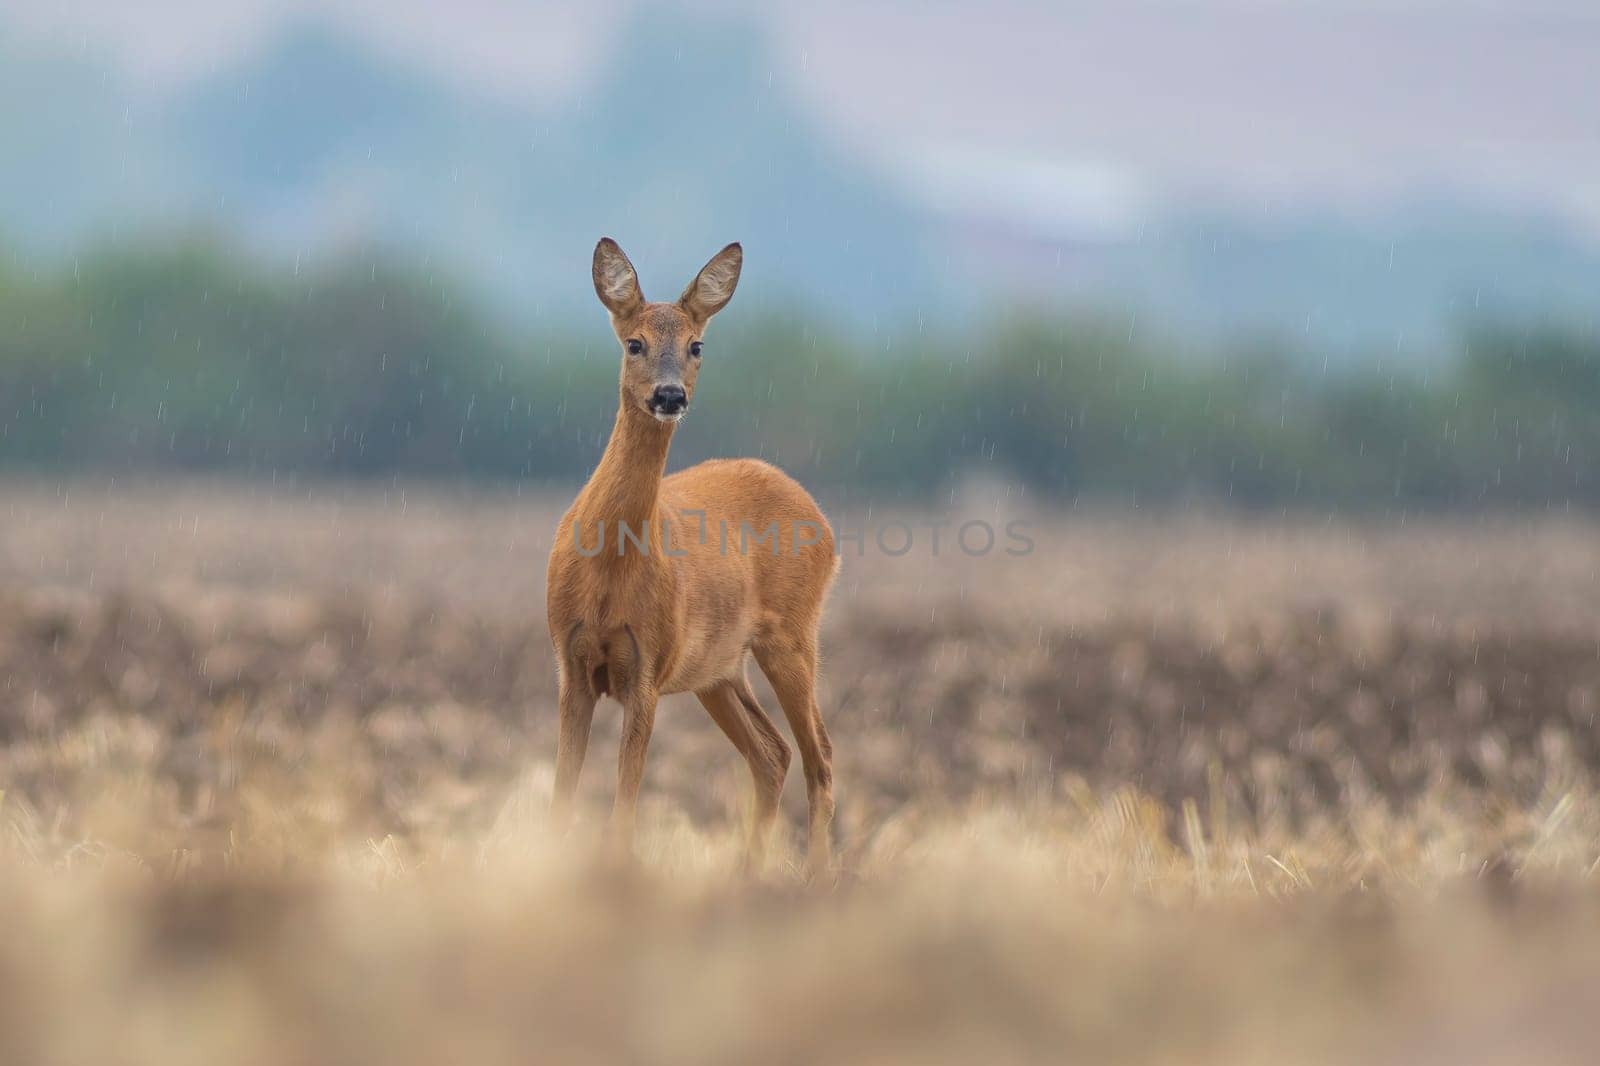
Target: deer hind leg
732	705
792	669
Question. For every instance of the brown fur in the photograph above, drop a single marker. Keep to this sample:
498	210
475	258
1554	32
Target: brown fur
684	612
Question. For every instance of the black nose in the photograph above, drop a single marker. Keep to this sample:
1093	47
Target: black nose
669	399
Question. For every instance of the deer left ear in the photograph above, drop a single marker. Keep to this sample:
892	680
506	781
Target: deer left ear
713	287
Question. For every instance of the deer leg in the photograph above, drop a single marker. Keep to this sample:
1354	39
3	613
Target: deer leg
733	707
638	719
792	669
767	734
577	713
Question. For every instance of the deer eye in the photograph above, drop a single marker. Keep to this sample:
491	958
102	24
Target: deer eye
635	346
694	349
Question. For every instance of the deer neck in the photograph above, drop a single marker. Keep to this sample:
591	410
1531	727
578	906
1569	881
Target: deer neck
626	483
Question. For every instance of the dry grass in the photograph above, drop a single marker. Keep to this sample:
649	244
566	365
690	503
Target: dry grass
1188	791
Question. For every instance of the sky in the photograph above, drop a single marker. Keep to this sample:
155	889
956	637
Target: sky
1072	114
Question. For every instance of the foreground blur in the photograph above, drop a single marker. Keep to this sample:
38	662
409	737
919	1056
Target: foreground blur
275	769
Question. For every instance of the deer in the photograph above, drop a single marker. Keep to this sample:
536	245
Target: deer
684	592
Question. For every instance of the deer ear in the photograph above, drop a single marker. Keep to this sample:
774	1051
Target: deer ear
713	287
615	281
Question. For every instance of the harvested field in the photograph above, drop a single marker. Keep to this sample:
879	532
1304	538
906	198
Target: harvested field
1184	787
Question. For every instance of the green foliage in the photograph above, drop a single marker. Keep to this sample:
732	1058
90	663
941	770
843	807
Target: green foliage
190	357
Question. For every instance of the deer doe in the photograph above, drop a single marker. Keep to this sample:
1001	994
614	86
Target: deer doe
661	606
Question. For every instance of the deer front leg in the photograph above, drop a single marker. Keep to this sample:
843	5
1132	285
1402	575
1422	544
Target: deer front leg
577	713
638	719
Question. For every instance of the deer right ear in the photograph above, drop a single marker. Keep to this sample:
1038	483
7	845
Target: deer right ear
615	281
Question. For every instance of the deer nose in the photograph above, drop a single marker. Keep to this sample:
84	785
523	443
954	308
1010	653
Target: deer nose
669	399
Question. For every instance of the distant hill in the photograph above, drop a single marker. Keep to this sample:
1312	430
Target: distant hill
318	140
1352	287
686	138
80	152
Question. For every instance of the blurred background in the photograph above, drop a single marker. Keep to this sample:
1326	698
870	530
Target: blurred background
1337	253
1274	318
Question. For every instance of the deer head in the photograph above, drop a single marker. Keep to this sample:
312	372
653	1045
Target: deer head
661	342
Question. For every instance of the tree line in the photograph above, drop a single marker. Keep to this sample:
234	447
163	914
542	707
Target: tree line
185	356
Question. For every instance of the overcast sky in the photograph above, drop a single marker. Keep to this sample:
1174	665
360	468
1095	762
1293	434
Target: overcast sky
1076	108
